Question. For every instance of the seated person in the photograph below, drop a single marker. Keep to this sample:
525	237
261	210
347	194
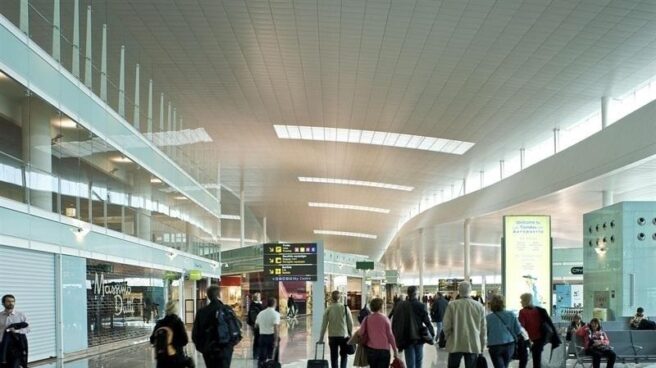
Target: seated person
574	326
641	322
596	344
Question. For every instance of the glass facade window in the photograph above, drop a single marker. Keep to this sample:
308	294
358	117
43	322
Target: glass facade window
123	301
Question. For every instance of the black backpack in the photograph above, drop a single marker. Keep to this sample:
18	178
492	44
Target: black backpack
228	327
254	310
364	313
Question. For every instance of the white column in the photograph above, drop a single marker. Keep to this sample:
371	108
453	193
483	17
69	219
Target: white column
121	84
422	258
103	65
467	249
464	186
136	118
169	116
482	178
75	66
194	289
181	295
501	169
318	295
37	146
265	238
242	219
149	128
143	216
363	300
23	22
88	75
556	140
161	112
522	158
56	31
606	198
604	112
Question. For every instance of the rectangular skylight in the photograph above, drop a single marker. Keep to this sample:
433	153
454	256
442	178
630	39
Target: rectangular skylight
345	233
348	207
388	139
308	179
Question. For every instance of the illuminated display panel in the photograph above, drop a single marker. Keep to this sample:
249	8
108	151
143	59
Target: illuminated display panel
527	260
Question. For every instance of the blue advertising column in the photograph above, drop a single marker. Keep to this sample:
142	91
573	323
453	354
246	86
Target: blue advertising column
318	296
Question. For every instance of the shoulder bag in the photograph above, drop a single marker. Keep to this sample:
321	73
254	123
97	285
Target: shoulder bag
350	349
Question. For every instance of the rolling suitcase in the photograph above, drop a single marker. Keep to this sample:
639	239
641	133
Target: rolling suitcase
316	362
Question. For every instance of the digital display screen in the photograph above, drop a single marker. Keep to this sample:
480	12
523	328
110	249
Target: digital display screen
527	260
290	262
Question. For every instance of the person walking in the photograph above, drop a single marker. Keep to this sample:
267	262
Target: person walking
206	331
596	344
291	307
268	323
503	330
337	320
465	328
412	328
169	338
253	310
13	331
438	308
540	329
376	330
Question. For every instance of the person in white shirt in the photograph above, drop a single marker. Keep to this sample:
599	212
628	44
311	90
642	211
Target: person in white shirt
268	322
13	328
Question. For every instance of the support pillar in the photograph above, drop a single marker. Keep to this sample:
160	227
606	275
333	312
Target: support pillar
181	295
242	219
482	178
24	17
606	198
59	308
363	300
37	148
422	258
556	140
56	31
501	169
265	238
103	65
522	158
88	76
136	115
318	294
604	112
467	244
161	112
143	216
75	65
121	84
149	128
194	291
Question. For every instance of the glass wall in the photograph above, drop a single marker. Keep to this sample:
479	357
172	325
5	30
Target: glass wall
123	301
50	162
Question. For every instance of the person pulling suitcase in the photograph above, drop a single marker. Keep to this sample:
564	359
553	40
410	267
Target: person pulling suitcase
316	362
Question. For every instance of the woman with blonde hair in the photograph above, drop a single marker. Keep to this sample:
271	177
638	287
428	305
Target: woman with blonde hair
169	339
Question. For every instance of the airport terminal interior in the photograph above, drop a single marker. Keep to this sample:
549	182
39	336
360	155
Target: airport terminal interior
152	151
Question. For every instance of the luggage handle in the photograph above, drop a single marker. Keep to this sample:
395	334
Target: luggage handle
323	350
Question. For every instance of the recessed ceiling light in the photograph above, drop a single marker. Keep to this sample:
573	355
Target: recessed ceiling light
121	159
155	180
354	182
230	217
348	207
345	233
388	139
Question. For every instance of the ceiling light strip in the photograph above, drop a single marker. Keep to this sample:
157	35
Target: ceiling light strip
230	217
361	183
348	207
345	233
369	137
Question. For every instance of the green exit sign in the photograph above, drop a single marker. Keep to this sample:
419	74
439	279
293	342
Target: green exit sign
364	265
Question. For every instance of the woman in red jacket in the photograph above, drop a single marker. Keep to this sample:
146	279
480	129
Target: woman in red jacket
596	343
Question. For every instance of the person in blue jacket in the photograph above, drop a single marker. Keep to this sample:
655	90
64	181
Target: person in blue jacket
503	330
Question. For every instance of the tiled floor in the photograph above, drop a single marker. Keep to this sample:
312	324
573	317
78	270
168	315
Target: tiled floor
295	348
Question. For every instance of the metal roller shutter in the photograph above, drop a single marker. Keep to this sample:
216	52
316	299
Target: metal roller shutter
30	277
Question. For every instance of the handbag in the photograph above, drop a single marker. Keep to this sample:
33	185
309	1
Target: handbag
519	341
350	349
360	359
397	363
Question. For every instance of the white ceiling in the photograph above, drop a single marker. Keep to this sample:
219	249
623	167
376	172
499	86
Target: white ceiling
501	74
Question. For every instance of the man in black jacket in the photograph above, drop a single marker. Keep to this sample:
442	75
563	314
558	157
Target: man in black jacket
437	312
13	330
253	310
204	332
412	337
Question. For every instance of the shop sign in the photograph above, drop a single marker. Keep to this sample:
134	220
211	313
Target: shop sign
577	270
195	275
364	265
116	289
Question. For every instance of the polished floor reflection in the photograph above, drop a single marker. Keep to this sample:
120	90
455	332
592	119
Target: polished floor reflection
295	348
